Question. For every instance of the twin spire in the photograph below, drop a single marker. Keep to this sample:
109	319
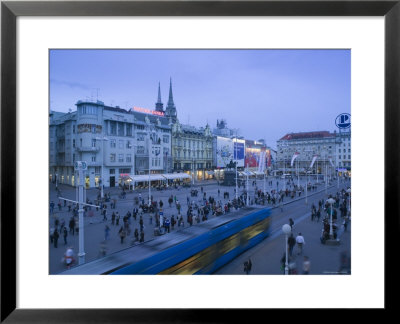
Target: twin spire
170	110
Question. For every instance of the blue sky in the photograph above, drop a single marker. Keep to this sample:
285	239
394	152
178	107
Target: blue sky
263	93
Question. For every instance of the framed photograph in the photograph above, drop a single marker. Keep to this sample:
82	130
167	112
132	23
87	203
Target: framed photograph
116	114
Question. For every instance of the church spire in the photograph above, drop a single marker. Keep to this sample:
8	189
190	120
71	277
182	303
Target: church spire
170	98
159	104
170	110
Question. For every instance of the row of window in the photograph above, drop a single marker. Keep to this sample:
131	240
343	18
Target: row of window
200	155
87	110
344	151
189	143
113	158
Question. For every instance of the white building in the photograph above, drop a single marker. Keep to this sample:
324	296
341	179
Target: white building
333	151
307	144
343	151
114	142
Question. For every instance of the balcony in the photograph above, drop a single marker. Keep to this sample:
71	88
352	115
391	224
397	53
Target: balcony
87	149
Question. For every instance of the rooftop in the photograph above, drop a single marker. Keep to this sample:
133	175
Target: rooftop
307	135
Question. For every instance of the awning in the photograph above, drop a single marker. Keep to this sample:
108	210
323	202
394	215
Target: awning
210	172
258	173
246	173
172	176
145	177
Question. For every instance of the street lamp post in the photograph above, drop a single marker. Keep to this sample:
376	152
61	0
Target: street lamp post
286	229
102	165
150	147
264	182
306	187
331	201
193	167
236	174
247	187
284	174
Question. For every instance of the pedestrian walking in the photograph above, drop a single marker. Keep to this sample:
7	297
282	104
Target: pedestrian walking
106	233
141	236
247	266
318	213
136	234
300	242
291	223
345	223
122	234
51	234
291	243
65	234
51	207
55	238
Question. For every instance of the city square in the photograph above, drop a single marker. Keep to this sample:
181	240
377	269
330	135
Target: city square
124	178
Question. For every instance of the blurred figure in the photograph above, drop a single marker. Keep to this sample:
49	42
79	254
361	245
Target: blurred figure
106	233
69	257
55	237
247	266
103	249
51	234
65	234
291	243
300	242
291	223
122	234
345	263
292	267
306	265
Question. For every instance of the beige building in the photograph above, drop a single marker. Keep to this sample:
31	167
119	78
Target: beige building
192	150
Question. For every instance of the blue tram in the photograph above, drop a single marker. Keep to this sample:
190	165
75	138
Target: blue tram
199	249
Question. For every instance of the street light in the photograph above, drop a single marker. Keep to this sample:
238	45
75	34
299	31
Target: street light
150	148
286	229
236	174
331	201
102	165
193	165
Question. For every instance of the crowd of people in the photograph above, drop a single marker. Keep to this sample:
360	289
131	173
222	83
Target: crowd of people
330	217
199	207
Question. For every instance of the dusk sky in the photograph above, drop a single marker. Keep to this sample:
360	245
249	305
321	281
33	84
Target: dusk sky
263	93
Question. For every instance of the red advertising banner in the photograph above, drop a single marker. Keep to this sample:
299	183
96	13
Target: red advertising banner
252	157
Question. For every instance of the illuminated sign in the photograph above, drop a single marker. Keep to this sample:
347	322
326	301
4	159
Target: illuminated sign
343	121
148	111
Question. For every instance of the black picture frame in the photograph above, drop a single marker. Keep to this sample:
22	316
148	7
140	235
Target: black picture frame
10	10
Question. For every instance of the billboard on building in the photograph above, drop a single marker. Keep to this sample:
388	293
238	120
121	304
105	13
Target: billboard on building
252	155
268	158
227	150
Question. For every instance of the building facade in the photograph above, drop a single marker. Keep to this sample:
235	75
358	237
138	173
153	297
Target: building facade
321	144
116	143
192	150
343	150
